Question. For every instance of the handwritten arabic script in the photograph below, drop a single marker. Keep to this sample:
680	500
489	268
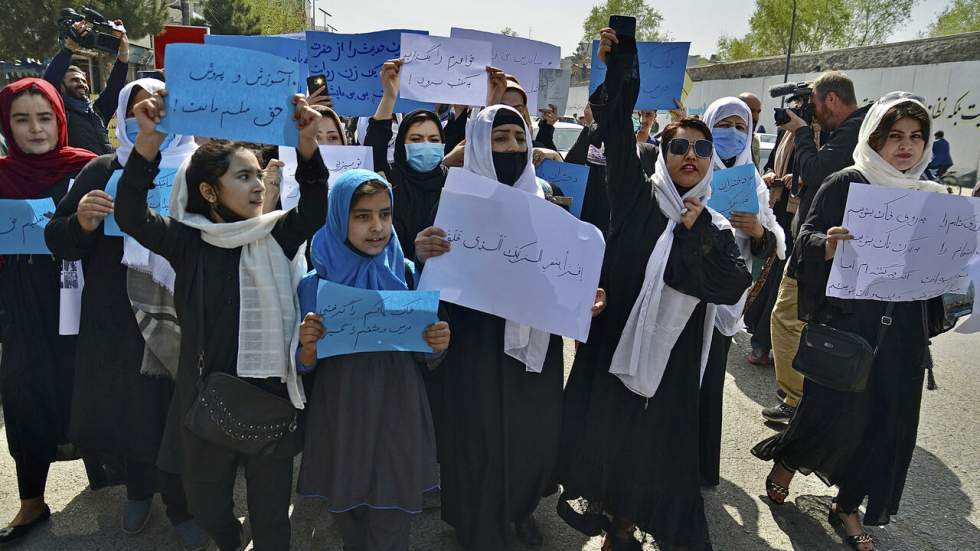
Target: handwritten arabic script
22	223
734	190
907	245
445	70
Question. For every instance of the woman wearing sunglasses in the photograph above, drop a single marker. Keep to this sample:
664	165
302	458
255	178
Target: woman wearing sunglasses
629	447
861	442
758	235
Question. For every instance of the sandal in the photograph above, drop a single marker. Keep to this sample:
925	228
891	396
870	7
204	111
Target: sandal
777	492
854	542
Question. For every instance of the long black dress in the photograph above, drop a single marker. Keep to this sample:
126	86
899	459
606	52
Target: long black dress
115	409
860	442
497	430
623	455
36	370
416	193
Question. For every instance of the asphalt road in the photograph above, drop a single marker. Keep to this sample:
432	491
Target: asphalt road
937	513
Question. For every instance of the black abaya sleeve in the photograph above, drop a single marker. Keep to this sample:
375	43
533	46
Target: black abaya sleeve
455	130
161	234
377	137
300	223
63	234
762	248
545	137
705	263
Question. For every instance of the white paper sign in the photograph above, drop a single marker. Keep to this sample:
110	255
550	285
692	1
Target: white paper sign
908	245
444	70
337	158
520	57
553	89
516	256
70	299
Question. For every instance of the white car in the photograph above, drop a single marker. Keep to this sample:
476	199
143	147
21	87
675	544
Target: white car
767	142
566	133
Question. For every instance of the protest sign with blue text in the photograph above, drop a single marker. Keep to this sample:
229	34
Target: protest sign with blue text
444	70
22	223
361	320
351	63
520	57
733	190
287	47
499	235
662	66
907	245
223	92
570	177
337	158
157	197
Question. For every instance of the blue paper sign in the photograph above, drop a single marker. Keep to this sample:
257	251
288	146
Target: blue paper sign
157	197
283	46
570	177
359	320
733	190
22	223
662	66
223	92
351	62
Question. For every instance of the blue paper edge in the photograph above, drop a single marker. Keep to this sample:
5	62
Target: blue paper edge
33	203
577	202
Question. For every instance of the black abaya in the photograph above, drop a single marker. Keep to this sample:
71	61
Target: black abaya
623	455
861	442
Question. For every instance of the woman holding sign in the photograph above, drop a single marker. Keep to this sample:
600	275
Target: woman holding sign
497	396
417	174
120	401
758	235
370	448
237	393
36	370
629	445
860	441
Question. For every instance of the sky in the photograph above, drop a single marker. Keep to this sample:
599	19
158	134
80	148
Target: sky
560	21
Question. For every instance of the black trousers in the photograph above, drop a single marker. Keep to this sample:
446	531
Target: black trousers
367	529
143	480
31	478
712	395
268	484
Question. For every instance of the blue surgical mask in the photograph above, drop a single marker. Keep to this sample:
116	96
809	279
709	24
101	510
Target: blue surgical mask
729	142
133	130
424	157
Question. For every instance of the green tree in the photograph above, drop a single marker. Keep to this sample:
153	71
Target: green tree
142	17
648	19
960	16
279	16
873	21
231	17
820	24
507	31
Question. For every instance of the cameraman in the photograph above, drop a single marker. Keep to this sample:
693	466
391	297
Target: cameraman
87	120
836	111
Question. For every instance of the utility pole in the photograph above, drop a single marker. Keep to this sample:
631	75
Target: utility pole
185	12
789	49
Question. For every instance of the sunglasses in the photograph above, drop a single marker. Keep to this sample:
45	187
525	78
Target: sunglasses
680	147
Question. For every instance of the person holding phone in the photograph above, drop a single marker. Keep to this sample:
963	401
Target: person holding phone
628	455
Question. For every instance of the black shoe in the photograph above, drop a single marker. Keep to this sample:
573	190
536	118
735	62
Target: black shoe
780	413
12	533
528	532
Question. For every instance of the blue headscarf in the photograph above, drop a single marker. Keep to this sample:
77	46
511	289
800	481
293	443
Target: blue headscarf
336	260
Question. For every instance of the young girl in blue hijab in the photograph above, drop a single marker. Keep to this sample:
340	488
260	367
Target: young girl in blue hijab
370	444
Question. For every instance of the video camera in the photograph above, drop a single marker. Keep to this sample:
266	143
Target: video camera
100	36
799	90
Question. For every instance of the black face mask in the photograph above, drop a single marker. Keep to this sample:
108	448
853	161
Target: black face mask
509	166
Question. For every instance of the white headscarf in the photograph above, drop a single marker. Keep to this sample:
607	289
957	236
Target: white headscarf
729	320
878	171
137	256
269	312
660	312
521	342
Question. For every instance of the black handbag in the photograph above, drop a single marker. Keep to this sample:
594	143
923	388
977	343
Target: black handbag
836	359
231	413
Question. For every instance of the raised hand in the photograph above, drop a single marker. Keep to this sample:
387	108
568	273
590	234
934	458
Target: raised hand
430	243
306	118
93	208
607	39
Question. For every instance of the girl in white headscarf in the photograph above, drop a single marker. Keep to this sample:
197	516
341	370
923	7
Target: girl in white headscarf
629	445
496	398
119	408
861	442
758	236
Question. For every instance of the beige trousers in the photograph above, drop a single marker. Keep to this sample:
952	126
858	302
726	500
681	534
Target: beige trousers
786	328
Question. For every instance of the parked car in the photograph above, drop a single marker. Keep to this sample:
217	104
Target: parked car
767	142
566	133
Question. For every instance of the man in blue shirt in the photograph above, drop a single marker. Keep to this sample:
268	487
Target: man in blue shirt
941	159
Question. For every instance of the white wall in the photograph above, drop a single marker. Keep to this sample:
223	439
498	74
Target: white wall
951	91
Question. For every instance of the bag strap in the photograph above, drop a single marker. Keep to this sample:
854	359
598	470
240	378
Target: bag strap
199	284
886	322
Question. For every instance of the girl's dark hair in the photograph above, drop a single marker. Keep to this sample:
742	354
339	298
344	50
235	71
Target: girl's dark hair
687	122
208	164
367	189
29	91
904	110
